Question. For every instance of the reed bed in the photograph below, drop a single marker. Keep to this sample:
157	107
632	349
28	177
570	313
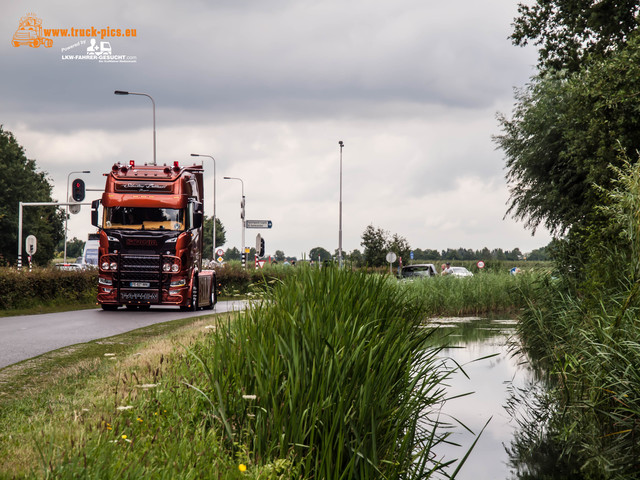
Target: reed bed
585	340
485	293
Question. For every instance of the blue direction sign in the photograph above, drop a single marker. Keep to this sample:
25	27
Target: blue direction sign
258	223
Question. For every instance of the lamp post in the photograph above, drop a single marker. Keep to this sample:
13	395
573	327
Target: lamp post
213	255
242	205
66	217
122	92
341	143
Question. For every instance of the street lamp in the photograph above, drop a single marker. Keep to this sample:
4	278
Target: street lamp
66	217
242	206
121	92
213	256
341	143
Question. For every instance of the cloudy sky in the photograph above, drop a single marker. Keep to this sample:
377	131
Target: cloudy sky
268	88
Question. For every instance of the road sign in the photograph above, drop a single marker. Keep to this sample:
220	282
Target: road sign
31	244
258	223
480	264
220	252
220	259
391	257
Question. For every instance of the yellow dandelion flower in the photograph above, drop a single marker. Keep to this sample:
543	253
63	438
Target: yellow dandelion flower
124	437
242	467
139	419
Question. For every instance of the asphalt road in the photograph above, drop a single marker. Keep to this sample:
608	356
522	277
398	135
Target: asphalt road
28	336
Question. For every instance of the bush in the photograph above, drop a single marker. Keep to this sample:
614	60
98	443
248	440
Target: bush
41	286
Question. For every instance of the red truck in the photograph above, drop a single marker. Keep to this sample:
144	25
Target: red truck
150	225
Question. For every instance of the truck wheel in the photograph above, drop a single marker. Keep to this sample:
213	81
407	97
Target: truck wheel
194	296
193	304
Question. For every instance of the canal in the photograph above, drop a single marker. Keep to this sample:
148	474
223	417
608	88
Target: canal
481	390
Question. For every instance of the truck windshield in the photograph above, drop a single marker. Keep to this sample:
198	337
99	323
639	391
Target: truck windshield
143	218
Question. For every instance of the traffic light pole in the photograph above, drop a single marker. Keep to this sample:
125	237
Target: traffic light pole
66	216
35	204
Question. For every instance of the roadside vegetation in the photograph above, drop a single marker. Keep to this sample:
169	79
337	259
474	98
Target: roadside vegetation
330	375
585	340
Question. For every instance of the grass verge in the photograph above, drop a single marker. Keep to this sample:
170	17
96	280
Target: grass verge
60	397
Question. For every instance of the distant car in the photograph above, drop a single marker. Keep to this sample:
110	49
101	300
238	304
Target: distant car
69	266
422	270
461	272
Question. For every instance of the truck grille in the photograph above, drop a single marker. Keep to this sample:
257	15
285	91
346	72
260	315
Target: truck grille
140	268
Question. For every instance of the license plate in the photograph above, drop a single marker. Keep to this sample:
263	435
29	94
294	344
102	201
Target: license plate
140	284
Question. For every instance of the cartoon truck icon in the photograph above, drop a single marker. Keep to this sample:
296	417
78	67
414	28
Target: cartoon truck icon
103	49
30	33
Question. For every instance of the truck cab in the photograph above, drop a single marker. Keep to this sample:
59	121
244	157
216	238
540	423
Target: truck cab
150	238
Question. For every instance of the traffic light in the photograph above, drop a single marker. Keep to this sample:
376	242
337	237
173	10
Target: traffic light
259	246
77	192
242	208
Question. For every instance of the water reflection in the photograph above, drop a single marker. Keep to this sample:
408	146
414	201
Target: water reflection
492	373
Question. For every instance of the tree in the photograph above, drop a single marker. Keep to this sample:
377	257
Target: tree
377	244
356	258
539	254
374	241
279	256
569	31
567	129
207	241
400	246
20	181
319	253
75	247
232	254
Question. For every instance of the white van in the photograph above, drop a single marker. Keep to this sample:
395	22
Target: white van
90	253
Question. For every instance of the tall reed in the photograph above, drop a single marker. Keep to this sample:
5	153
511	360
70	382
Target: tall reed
588	342
484	293
332	370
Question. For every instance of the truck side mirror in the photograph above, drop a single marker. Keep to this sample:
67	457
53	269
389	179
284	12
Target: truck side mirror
197	210
95	207
197	220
